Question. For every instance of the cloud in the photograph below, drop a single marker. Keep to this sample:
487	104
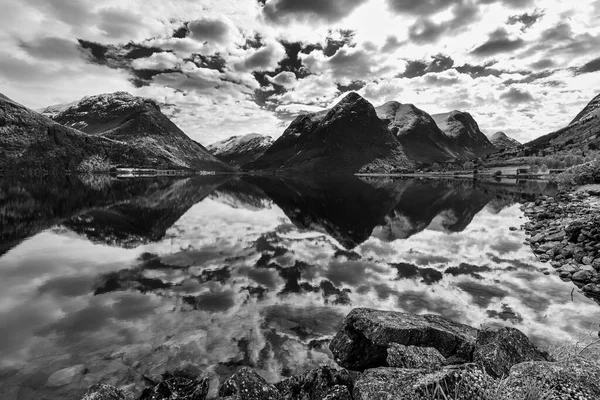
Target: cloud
264	58
498	42
54	48
286	79
527	20
420	7
118	23
515	95
391	44
591	66
283	11
424	30
158	61
509	3
210	30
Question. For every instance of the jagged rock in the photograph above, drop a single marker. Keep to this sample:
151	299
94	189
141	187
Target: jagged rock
178	389
315	384
575	379
498	350
582	276
501	141
338	393
246	384
401	356
464	131
102	391
241	150
348	138
366	334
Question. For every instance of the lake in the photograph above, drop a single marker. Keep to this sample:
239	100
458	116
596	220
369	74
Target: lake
124	281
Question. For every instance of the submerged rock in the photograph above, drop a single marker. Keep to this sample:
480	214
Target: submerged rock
366	334
316	384
178	389
246	384
102	391
498	350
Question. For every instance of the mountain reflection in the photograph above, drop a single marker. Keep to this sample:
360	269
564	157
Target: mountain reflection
139	278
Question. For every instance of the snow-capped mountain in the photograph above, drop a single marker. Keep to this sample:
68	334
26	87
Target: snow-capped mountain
240	150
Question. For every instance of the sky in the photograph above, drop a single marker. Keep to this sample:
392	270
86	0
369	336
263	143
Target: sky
230	67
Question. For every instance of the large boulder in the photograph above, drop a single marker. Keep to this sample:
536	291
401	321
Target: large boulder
102	391
413	357
316	384
576	379
497	350
177	389
365	336
246	384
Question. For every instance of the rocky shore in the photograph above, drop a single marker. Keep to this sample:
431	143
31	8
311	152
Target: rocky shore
564	230
391	355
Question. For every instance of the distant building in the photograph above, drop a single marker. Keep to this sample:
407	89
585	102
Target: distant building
522	171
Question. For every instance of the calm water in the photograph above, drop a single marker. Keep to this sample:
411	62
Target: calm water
132	279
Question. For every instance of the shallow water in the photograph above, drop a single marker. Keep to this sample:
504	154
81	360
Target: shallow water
133	279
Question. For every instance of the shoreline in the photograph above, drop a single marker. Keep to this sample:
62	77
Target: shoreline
564	230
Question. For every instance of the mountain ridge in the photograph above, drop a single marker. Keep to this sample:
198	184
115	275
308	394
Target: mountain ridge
241	149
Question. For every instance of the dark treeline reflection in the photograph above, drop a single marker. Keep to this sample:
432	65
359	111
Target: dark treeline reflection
129	212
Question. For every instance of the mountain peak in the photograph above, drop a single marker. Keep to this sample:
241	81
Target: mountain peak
462	128
591	109
242	149
501	140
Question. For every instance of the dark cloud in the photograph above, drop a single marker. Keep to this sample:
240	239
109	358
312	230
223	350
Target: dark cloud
424	30
505	314
543	64
591	66
498	42
333	45
513	96
440	63
420	7
391	44
409	271
215	62
53	48
482	294
352	86
281	11
526	19
480	71
532	77
180	32
254	42
417	68
121	57
208	29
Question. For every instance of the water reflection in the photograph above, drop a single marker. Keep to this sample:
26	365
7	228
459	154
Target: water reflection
135	279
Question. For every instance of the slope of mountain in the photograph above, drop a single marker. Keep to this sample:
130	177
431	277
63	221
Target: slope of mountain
464	132
583	130
418	133
240	150
138	122
501	141
348	138
32	142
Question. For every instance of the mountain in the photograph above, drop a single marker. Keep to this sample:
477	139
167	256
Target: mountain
348	138
31	142
464	132
240	150
139	123
501	141
418	133
584	129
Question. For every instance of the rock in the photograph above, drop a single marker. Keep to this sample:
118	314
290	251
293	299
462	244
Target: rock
592	288
558	236
178	388
512	229
405	384
66	376
575	379
246	384
102	391
401	356
596	264
338	393
537	238
582	276
315	384
366	334
498	350
568	268
587	260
